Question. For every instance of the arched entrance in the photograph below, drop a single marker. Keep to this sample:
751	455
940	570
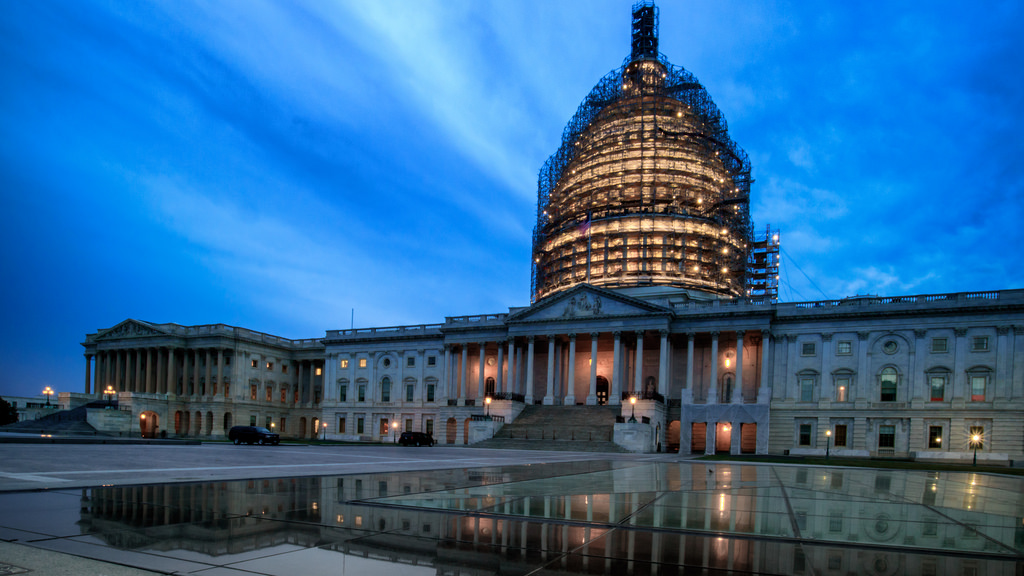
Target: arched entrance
602	390
489	386
451	431
149	424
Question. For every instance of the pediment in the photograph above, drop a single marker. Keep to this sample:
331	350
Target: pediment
130	329
586	302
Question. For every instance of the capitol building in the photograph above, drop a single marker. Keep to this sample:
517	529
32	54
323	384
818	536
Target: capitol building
653	324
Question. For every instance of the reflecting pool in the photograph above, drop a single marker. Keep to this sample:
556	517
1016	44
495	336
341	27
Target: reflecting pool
591	517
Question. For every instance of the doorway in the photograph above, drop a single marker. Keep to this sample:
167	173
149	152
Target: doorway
602	390
723	438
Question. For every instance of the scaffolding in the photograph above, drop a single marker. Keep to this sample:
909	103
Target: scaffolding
646	188
763	267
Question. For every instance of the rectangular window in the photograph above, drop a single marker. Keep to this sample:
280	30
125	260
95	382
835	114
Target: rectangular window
939	345
270	365
284	368
979	344
840	436
343	394
282	425
978	388
284	395
319	371
807	349
935	436
842	388
385	392
805	434
408	425
359	425
844	348
268	425
362	393
410	392
976	439
410	361
252	393
835	522
383	426
886	436
807	389
362	362
255	363
938	388
429	428
252	420
344	363
431	360
430	392
270	393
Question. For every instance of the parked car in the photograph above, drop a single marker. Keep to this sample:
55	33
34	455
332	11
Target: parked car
253	435
416	439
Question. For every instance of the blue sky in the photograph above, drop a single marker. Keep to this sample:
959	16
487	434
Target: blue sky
275	165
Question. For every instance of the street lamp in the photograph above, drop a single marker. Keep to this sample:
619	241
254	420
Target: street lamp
828	442
975	442
48	392
323	425
142	425
394	427
487	407
109	393
632	415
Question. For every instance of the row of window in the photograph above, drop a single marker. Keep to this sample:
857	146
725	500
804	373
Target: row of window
385	392
888	385
887	436
284	367
385	427
410	362
938	346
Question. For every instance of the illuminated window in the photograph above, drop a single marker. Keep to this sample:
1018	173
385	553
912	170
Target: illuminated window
344	363
844	348
252	392
362	362
939	345
270	365
842	387
255	363
319	371
979	344
888	381
935	436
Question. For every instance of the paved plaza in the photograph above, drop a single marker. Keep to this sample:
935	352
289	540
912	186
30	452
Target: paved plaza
219	510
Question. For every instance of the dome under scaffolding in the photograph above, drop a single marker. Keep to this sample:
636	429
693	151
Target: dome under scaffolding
647	188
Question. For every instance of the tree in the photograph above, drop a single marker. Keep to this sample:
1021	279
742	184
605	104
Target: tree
8	413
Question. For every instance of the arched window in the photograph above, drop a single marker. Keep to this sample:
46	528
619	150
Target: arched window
888	380
385	389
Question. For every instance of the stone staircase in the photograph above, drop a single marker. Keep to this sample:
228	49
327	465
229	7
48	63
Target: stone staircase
62	422
570	428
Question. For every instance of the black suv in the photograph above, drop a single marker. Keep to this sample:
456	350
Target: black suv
253	435
416	439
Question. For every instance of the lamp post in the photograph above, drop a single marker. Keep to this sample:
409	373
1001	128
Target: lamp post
632	415
487	407
828	442
394	427
975	442
323	426
109	393
142	425
48	392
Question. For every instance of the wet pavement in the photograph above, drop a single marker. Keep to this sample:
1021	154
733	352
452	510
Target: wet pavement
468	511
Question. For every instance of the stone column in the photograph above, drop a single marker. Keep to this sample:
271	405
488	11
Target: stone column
480	370
446	371
616	392
960	392
687	396
529	371
172	377
88	373
195	371
737	389
498	380
117	370
138	385
864	380
1003	383
570	385
663	357
160	373
464	382
207	387
551	370
764	391
638	380
220	368
592	395
513	372
713	385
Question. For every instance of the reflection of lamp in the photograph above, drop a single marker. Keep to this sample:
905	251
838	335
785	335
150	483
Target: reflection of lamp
828	441
975	442
632	416
48	392
487	407
109	393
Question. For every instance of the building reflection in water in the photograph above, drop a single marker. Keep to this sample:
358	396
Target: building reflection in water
593	518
